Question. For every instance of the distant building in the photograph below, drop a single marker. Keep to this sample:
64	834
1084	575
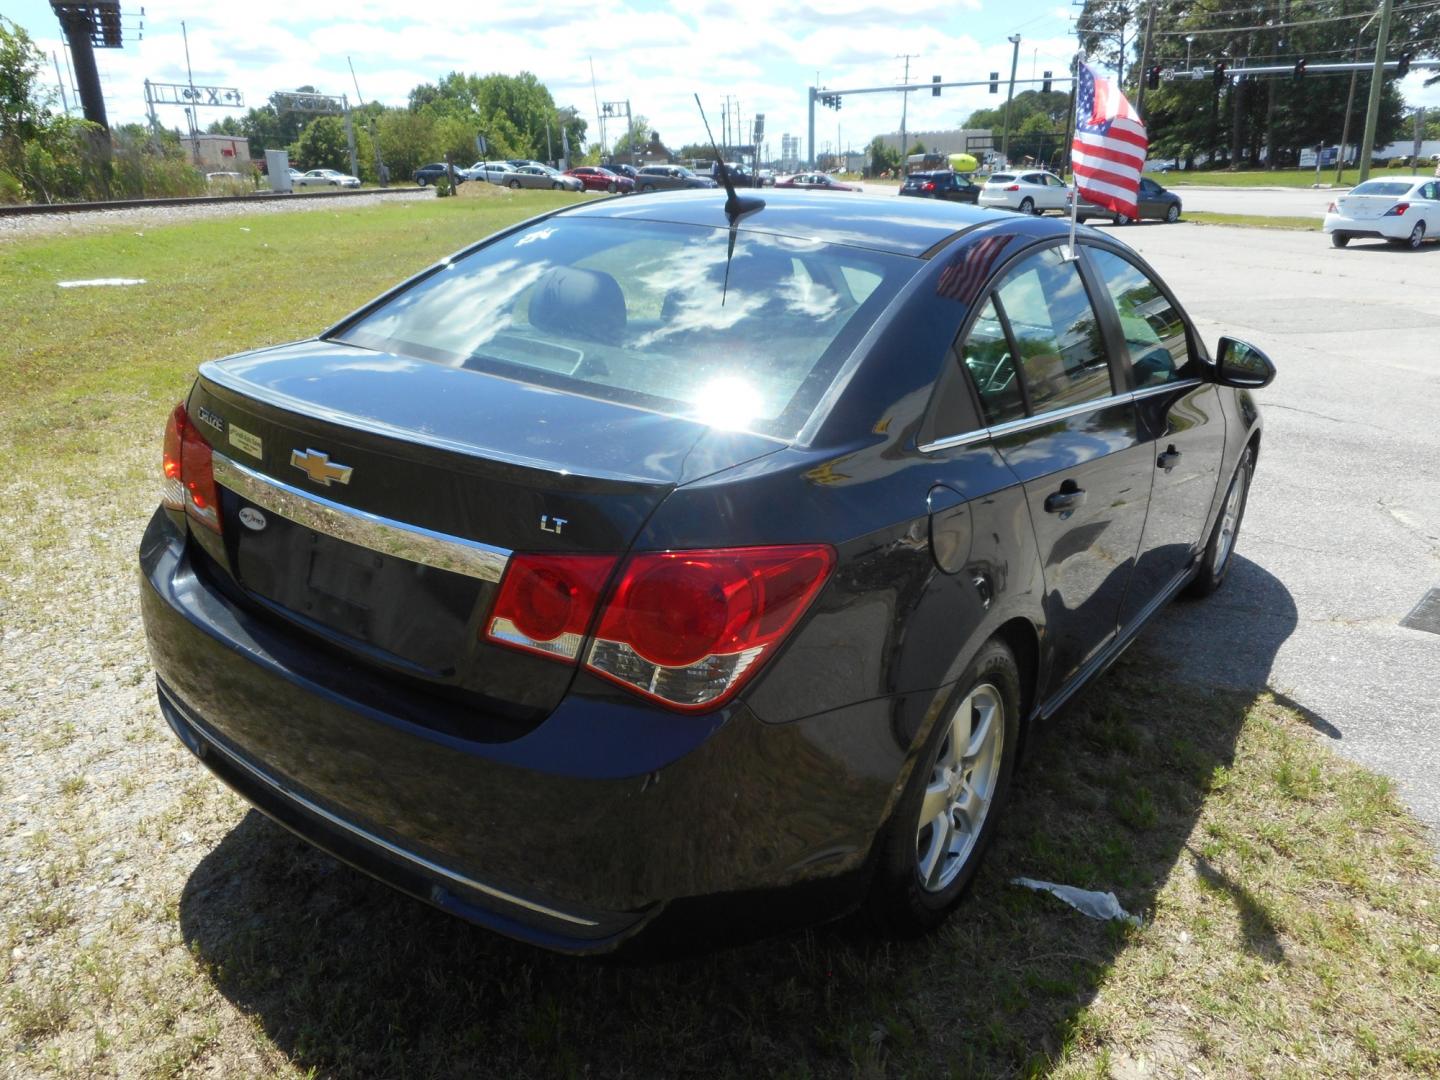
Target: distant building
789	153
955	141
218	153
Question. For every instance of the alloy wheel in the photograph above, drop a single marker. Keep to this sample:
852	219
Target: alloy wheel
1230	519
1417	236
962	786
1172	215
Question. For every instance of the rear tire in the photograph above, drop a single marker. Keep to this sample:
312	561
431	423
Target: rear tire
1027	205
647	187
1417	236
1215	562
944	821
1339	239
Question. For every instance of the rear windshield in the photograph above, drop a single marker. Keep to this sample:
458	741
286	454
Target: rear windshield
1001	178
1382	187
642	313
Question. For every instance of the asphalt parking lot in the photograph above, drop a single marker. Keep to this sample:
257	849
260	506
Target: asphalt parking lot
1342	536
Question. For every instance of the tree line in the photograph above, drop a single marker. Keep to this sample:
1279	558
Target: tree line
515	115
49	156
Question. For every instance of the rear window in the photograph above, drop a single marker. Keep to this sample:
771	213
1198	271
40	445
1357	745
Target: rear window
1382	187
1001	178
642	313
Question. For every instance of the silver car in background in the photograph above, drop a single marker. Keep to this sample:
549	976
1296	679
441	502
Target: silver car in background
494	172
542	176
322	177
1032	192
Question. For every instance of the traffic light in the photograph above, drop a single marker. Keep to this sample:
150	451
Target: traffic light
994	82
1299	72
838	102
1045	86
1152	77
935	90
1220	77
1402	66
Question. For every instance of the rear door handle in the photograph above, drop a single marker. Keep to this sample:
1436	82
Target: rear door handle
1169	459
1067	498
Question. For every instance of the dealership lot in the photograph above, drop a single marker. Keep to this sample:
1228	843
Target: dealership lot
1342	536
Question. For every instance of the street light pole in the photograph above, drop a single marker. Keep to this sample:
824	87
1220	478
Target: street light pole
1014	40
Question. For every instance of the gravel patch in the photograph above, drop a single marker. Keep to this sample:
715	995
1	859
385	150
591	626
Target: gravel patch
29	226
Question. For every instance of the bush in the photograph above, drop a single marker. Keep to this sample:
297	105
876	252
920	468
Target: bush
11	190
442	188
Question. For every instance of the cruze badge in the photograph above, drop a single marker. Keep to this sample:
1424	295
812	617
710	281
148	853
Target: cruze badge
318	467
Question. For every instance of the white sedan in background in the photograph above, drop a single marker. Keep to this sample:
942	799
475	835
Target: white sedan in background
1401	209
1031	192
321	177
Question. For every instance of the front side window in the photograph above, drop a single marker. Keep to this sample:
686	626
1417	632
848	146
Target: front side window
653	314
1154	331
1062	351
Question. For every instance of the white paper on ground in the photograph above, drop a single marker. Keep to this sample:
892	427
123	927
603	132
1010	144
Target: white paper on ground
1098	905
101	281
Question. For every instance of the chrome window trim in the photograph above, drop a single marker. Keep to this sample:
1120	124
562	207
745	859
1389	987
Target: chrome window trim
394	849
381	534
1165	388
1025	423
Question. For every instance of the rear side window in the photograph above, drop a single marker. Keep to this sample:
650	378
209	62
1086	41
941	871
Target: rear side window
1062	351
653	314
1381	187
1154	332
987	356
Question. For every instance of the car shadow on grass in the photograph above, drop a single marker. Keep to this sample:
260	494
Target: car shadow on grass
348	978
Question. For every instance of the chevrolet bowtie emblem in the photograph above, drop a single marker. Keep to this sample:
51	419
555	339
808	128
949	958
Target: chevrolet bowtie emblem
319	467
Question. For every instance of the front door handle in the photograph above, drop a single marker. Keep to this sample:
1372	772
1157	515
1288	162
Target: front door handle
1169	459
1066	499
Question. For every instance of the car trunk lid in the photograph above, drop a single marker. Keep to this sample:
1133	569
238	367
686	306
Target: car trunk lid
1366	207
372	501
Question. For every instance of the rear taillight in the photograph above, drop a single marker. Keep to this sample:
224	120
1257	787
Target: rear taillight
546	603
683	628
929	185
1398	210
1013	187
189	473
689	628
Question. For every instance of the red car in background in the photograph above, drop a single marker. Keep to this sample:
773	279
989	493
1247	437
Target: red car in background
597	179
815	181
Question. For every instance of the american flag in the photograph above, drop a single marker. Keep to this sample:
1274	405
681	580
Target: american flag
1108	152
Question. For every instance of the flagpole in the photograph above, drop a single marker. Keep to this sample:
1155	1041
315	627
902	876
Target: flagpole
1074	185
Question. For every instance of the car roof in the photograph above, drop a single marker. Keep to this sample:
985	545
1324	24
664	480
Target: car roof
868	221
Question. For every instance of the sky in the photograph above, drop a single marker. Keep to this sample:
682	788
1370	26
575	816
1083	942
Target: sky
656	55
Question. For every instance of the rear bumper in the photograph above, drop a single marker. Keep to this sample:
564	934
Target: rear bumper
1386	228
572	836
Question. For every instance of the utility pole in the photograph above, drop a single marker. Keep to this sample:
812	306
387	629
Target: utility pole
904	110
1349	104
1145	60
1377	87
1014	40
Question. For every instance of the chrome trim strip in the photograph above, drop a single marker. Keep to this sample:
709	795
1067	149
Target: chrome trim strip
1025	423
385	535
1166	388
380	842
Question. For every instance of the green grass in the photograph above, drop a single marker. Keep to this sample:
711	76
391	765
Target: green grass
150	925
1255	221
1289	178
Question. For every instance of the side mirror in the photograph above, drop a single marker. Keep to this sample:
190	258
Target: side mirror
1242	365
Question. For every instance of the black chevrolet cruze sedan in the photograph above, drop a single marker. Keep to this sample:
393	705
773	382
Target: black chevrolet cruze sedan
648	552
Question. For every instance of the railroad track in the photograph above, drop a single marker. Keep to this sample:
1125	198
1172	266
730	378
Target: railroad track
192	200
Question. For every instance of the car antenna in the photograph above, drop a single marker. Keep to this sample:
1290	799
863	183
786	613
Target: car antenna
736	206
